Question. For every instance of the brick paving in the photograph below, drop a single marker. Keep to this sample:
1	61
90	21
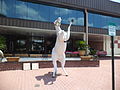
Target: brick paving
80	78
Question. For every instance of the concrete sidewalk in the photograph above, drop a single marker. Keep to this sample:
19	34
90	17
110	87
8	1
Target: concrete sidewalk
80	78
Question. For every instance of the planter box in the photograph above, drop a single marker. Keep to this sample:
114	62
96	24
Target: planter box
82	52
86	57
12	59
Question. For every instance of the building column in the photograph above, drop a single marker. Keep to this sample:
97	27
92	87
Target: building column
84	37
86	26
104	43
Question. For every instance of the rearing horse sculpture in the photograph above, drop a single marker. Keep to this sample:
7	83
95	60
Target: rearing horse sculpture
1	55
58	52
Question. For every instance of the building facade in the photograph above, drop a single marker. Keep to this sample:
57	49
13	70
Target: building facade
28	25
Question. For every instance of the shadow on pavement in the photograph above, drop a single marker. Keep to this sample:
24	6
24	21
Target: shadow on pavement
47	78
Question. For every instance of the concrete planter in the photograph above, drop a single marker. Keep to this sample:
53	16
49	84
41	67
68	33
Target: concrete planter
86	57
82	52
12	59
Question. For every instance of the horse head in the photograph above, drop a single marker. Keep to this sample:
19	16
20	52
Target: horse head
57	22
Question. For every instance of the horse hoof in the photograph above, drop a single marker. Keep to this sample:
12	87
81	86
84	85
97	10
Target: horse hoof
66	75
53	76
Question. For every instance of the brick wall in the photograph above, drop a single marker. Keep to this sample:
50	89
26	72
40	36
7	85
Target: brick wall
47	64
10	66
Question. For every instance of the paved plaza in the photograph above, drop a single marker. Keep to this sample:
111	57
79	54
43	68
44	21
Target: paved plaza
80	78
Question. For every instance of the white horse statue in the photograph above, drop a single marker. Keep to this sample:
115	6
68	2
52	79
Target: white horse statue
58	52
1	54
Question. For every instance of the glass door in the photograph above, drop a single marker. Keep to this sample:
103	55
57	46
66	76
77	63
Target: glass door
37	44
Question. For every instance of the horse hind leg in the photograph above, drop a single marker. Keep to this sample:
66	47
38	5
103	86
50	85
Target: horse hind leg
55	68
63	65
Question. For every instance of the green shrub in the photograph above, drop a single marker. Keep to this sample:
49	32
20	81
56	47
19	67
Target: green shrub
93	51
2	43
82	45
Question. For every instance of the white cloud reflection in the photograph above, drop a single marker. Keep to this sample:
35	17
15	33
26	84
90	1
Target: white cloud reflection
61	11
90	24
27	12
4	8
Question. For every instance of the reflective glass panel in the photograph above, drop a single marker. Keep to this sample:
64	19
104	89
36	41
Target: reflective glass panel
0	7
102	21
33	11
44	12
4	8
39	12
79	18
54	13
21	10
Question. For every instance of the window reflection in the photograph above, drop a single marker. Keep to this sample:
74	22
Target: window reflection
33	12
37	44
102	21
21	45
54	13
64	13
90	20
4	8
0	7
39	12
79	18
21	10
44	12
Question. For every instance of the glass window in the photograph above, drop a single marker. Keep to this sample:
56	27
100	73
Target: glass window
67	15
7	8
4	8
39	12
64	13
102	21
54	13
90	20
33	12
21	46
38	44
21	10
109	19
72	15
79	18
116	21
118	24
0	7
97	20
94	20
44	12
10	7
